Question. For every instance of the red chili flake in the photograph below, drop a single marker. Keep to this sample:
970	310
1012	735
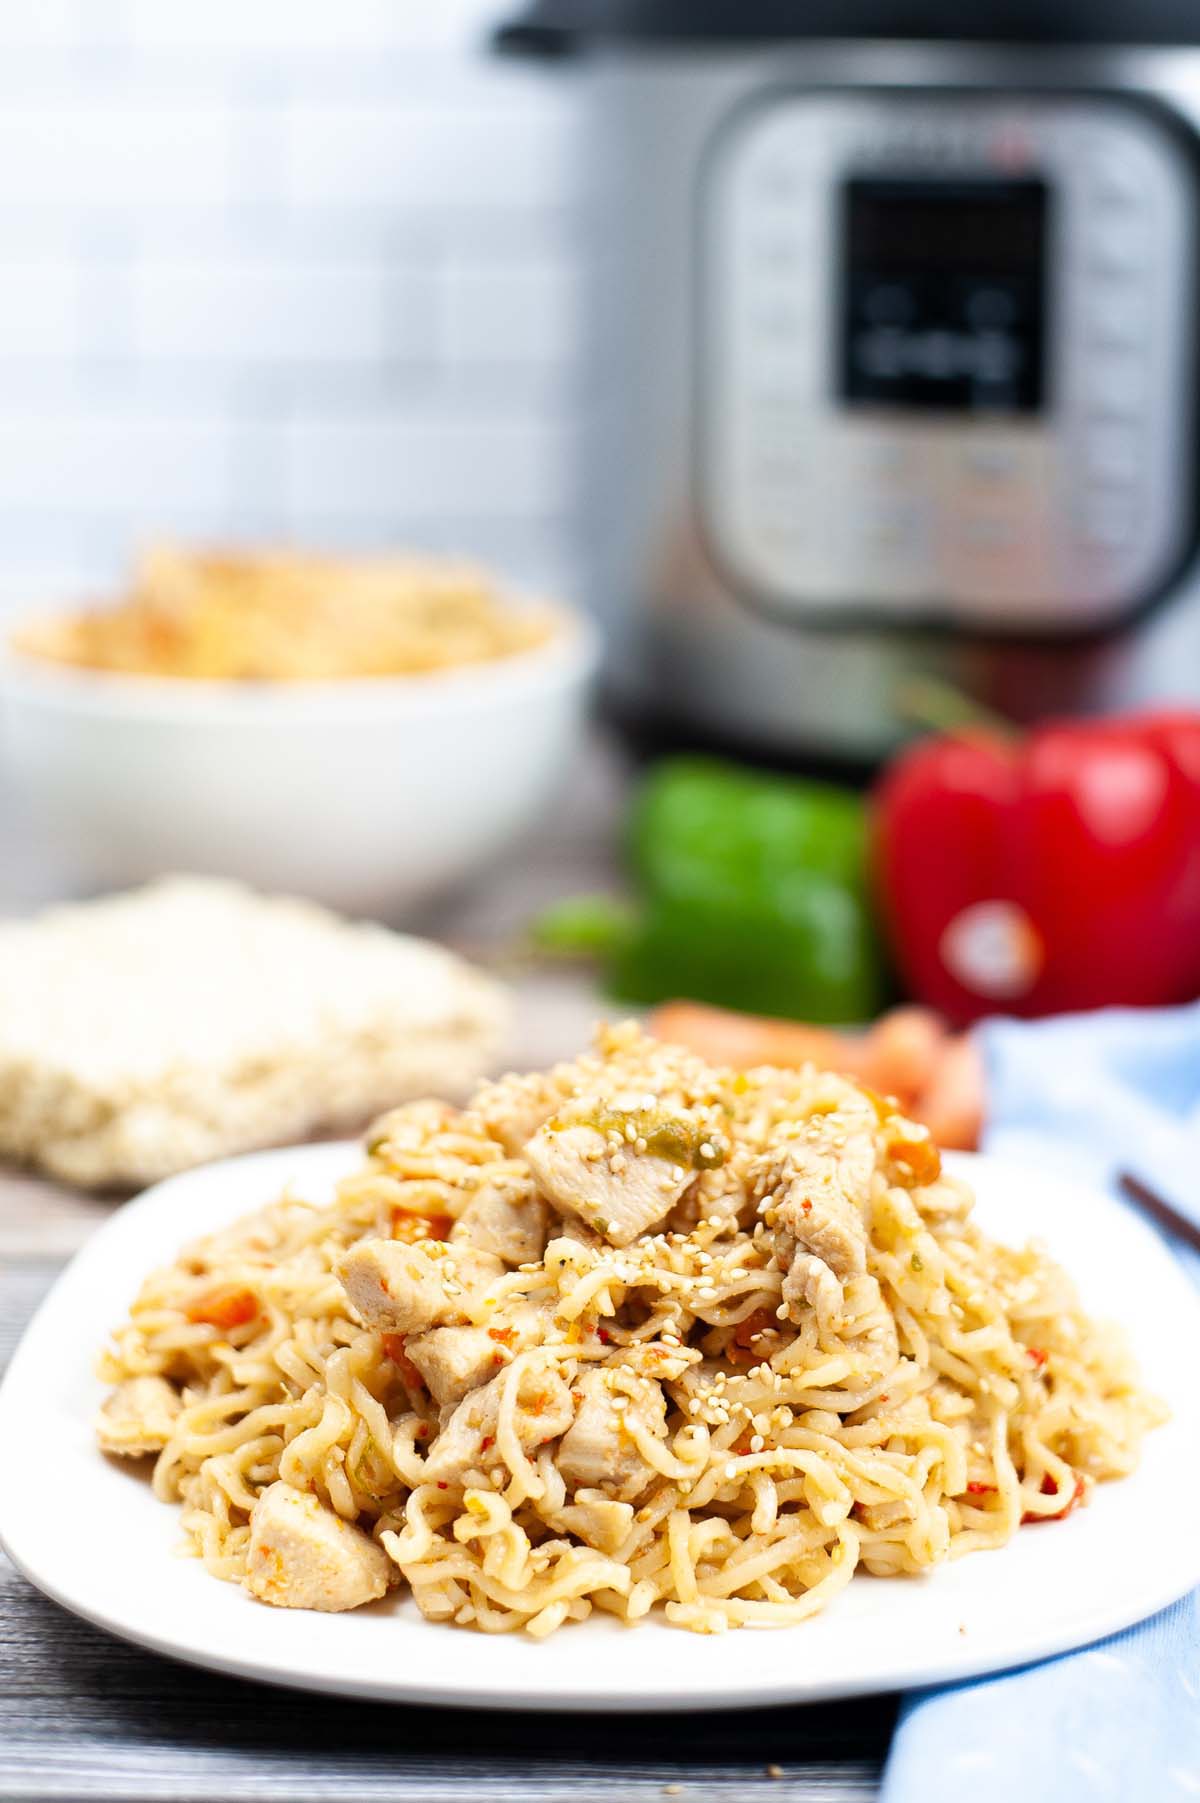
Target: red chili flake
884	1398
975	1488
604	1337
506	1335
806	1207
442	1484
1037	1356
422	1429
488	1440
741	1349
393	1348
1049	1488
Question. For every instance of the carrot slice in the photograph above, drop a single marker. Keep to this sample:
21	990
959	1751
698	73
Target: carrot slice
229	1305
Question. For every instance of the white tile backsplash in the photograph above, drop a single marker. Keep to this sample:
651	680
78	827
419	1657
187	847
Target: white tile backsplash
39	311
408	468
269	309
95	463
297	26
525	315
289	269
429	158
87	153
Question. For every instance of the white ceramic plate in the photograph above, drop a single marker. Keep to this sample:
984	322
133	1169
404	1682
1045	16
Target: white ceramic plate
89	1533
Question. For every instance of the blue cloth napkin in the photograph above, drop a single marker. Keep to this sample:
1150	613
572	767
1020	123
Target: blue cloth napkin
1089	1095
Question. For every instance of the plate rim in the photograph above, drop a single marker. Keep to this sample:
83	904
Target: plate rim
959	1664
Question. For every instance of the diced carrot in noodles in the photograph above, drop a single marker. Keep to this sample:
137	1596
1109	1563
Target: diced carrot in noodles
411	1227
229	1305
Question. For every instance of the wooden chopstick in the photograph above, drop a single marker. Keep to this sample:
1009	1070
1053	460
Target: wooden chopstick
1152	1204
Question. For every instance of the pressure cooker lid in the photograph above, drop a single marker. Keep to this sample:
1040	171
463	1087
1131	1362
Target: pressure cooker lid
558	27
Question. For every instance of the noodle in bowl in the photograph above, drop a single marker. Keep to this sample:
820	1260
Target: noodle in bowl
636	1332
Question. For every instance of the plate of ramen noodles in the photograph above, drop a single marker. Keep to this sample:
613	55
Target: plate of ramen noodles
636	1383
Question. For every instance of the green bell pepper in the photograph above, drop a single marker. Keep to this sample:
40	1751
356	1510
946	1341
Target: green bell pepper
753	895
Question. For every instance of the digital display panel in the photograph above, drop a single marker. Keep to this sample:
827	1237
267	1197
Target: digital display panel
944	294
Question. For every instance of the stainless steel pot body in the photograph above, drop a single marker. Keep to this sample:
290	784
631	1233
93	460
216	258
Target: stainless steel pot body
774	555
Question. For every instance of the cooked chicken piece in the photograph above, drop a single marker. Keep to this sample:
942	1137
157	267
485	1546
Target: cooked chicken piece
139	1417
403	1288
303	1556
813	1188
410	1127
588	1166
578	1232
543	1411
597	1450
720	1194
514	1228
650	1358
822	1187
453	1360
595	1518
514	1107
810	1283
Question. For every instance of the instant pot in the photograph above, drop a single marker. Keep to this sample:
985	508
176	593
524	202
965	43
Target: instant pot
893	356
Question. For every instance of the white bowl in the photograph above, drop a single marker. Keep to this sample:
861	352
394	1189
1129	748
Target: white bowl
370	795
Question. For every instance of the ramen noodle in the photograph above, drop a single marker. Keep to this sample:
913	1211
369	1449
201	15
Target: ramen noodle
287	618
637	1331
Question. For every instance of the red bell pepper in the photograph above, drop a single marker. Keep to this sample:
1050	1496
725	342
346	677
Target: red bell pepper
1053	872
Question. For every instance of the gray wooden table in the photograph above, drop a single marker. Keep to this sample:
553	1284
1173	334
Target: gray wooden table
84	1715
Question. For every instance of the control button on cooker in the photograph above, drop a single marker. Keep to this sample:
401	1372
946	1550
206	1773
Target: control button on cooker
1107	521
1116	248
889	525
779	253
780	324
889	304
1115	388
990	309
992	461
1115	315
888	457
1112	185
1112	454
780	181
987	532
